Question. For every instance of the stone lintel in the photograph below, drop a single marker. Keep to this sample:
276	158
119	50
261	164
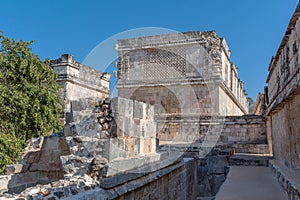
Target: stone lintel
174	82
288	91
80	83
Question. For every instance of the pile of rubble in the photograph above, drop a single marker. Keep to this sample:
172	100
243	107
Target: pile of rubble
105	117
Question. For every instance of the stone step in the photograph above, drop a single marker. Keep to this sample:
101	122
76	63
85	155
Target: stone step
249	160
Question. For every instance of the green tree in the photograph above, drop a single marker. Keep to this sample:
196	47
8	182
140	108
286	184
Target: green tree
30	105
251	105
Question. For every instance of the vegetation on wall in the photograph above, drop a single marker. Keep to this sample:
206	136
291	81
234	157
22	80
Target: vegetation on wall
30	105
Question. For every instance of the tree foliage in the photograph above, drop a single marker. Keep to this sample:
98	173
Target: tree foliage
251	104
30	105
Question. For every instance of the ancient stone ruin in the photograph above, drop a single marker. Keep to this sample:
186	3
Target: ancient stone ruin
178	125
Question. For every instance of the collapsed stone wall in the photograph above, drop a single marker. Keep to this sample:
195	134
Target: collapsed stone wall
108	151
175	180
85	158
40	164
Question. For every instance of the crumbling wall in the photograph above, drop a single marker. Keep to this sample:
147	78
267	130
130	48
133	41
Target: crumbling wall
40	164
97	141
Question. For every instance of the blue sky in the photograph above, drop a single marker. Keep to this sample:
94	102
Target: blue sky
253	29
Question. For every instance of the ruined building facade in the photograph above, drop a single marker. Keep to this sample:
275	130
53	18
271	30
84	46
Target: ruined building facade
171	87
78	81
183	73
188	77
283	103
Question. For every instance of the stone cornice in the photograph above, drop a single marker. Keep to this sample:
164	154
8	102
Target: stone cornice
170	82
290	88
284	40
232	97
82	83
165	40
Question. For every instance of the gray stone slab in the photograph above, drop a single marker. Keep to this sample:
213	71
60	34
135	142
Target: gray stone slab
249	183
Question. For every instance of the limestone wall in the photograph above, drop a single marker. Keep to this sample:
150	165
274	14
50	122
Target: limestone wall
114	129
259	106
101	139
176	180
79	81
178	183
246	134
283	102
228	106
182	99
284	98
190	65
285	134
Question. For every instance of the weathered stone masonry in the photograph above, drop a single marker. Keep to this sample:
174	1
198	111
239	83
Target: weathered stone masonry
187	75
109	147
283	101
78	81
183	73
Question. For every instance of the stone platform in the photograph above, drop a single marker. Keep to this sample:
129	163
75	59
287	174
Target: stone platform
251	182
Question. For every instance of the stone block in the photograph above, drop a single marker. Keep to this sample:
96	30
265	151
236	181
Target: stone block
31	157
140	146
83	104
69	117
148	128
217	164
119	119
114	104
151	113
128	108
87	126
130	145
17	179
4	180
74	164
139	110
122	106
136	128
67	130
128	123
149	145
51	143
112	150
33	167
14	169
